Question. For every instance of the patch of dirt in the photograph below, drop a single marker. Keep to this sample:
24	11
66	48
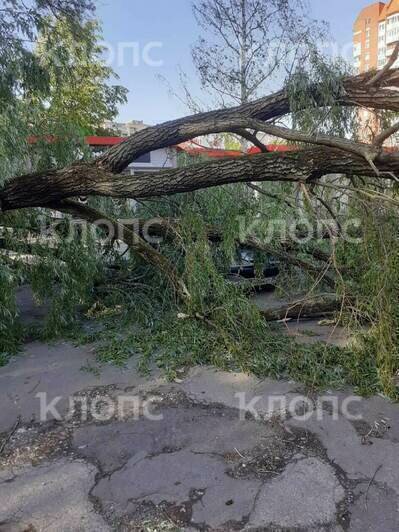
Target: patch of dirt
378	429
36	443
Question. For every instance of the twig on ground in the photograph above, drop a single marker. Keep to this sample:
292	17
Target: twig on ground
370	484
239	454
10	435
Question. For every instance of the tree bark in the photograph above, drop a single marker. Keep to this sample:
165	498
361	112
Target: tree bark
37	190
354	92
303	310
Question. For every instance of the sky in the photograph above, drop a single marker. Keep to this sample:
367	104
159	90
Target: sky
148	41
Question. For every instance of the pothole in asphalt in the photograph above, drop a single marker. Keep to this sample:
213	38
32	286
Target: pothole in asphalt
190	464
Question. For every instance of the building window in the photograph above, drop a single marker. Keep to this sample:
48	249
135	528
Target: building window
146	158
357	49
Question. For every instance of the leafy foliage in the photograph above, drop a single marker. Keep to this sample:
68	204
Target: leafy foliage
146	323
9	328
78	90
375	288
46	109
58	91
20	24
321	81
66	278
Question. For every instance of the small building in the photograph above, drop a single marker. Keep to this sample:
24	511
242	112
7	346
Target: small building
125	129
149	162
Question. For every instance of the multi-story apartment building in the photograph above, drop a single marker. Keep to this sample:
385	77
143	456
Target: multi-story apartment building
125	129
375	34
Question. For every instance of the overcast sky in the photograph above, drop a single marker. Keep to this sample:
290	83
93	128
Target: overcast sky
162	32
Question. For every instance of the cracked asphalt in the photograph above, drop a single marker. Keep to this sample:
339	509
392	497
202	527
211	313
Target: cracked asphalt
87	448
212	451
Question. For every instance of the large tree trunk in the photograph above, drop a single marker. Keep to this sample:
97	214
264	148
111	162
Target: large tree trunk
99	176
300	310
333	155
36	190
355	92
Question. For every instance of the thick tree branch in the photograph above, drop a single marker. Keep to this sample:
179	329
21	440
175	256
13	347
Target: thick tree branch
385	134
315	308
135	242
39	190
364	150
380	75
354	92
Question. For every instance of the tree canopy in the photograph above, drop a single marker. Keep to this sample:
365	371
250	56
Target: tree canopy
78	92
20	24
176	289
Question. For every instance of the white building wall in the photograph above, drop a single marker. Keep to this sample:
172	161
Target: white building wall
163	158
388	36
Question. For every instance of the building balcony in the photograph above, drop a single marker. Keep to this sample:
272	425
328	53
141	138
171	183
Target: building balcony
357	50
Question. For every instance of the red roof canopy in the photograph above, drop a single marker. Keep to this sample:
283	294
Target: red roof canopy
104	141
191	148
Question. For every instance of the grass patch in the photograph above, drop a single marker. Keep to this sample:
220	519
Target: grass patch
173	344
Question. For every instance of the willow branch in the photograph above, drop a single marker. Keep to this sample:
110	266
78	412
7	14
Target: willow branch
362	149
135	242
270	195
354	91
251	137
382	73
385	134
42	189
328	209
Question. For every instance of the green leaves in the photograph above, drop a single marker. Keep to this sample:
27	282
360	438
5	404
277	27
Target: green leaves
9	328
78	90
20	71
66	279
314	95
51	95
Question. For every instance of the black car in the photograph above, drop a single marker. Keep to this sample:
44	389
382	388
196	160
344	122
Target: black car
245	265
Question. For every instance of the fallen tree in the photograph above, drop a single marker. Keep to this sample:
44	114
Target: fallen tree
308	309
329	155
170	301
335	155
221	325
